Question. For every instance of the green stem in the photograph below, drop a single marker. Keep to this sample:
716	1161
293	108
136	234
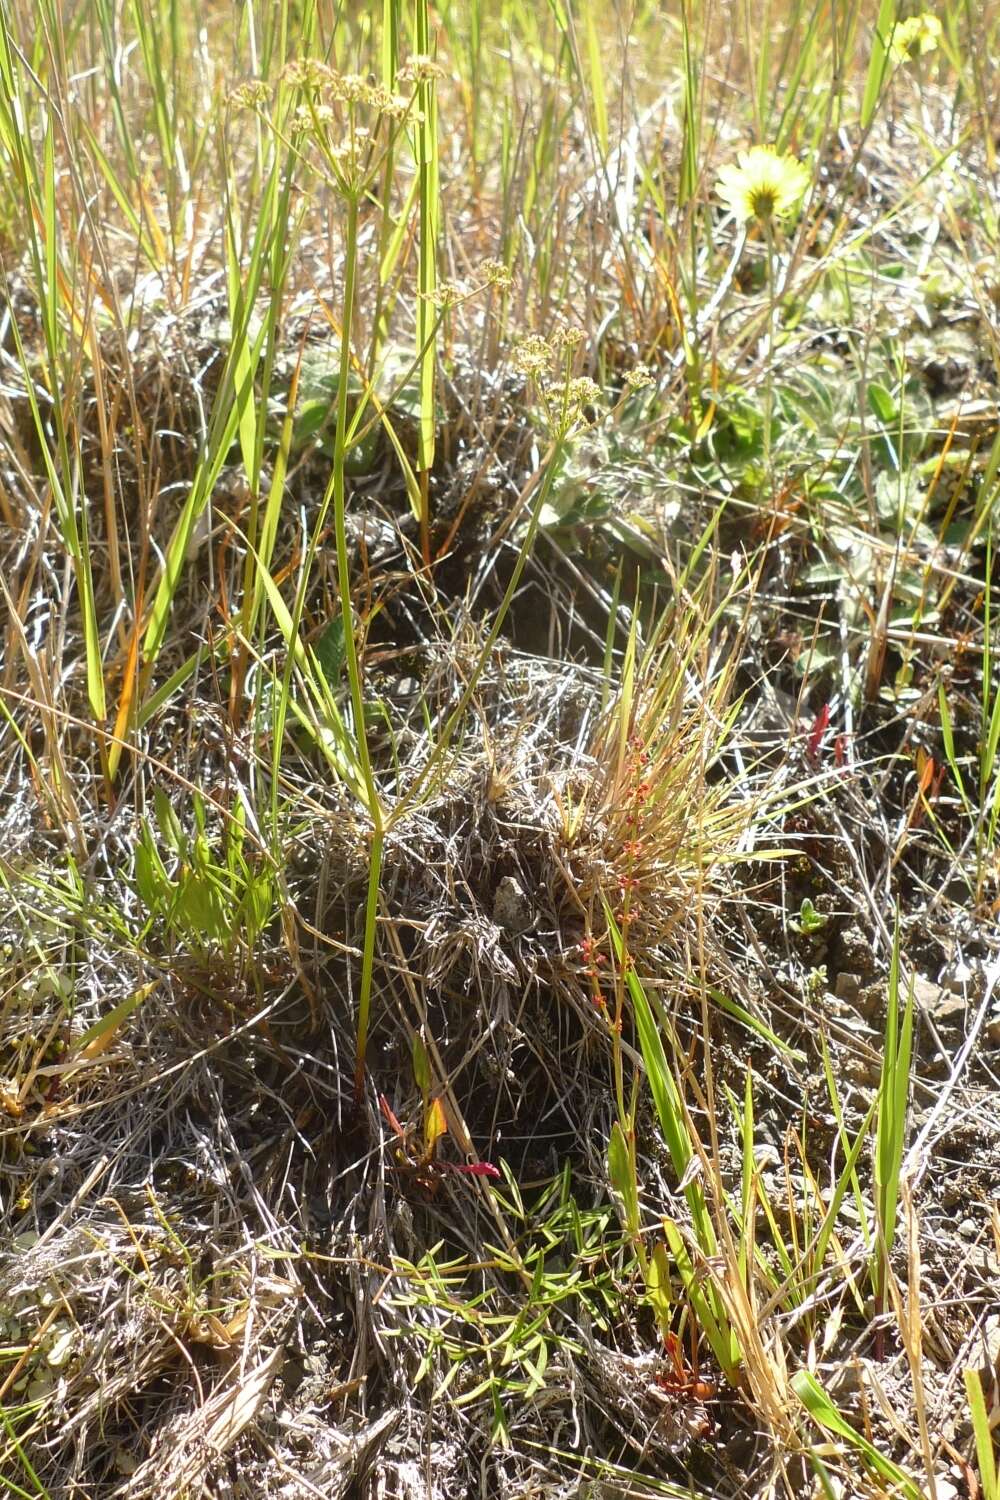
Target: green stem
336	494
351	653
340	521
769	382
368	958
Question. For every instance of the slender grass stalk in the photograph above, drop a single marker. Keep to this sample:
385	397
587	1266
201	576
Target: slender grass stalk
426	138
879	63
350	650
14	1446
772	309
232	403
828	1416
598	93
340	517
674	1123
56	302
838	1115
891	1117
690	145
989	1475
989	737
336	495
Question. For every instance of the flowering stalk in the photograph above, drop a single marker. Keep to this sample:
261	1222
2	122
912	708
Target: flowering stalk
767	186
350	167
772	302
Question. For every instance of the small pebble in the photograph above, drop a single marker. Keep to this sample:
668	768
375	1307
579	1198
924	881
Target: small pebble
926	994
847	987
511	908
959	978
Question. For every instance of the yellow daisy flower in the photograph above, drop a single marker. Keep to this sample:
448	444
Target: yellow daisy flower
766	185
914	37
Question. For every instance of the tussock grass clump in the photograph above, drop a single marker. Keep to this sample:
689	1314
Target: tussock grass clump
653	831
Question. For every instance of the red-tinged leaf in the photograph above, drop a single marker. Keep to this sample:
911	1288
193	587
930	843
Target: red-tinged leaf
474	1169
386	1109
816	733
675	1352
925	770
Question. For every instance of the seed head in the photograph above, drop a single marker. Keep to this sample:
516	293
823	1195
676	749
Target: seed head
447	294
583	392
532	355
308	73
495	273
420	69
353	88
251	95
638	378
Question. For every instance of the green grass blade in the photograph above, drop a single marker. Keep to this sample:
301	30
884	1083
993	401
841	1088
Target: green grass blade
988	1475
426	134
878	65
598	96
893	1094
666	1098
822	1410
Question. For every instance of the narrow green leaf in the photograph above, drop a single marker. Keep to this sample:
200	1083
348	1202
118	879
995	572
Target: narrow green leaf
822	1410
169	824
988	1476
597	93
882	404
658	1287
421	1066
115	1017
878	65
622	1175
758	1027
893	1095
167	689
698	1292
948	738
330	653
669	1109
427	171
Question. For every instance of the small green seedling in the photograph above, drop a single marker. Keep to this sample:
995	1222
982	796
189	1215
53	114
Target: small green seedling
809	920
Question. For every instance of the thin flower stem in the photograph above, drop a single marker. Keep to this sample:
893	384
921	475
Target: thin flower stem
351	653
769	381
340	521
368	958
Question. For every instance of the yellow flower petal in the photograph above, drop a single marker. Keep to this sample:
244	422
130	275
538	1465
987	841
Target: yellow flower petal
766	185
914	37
